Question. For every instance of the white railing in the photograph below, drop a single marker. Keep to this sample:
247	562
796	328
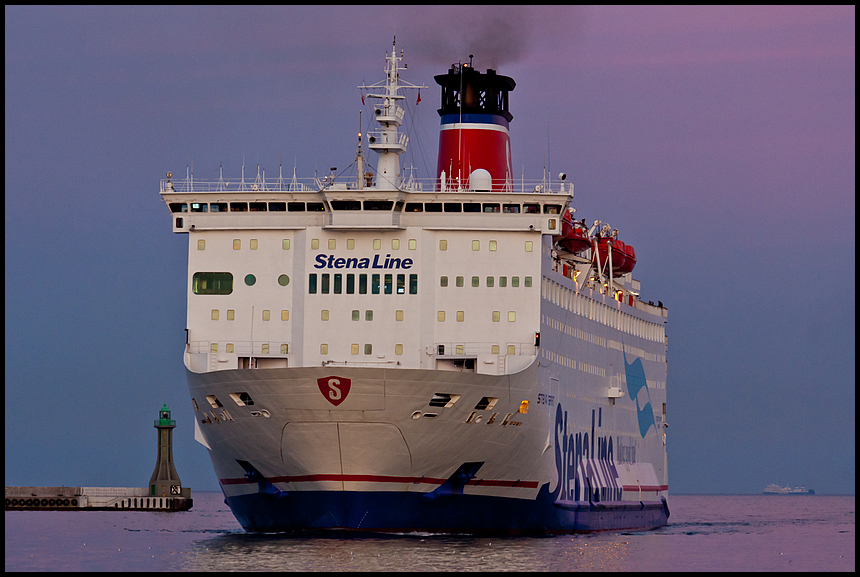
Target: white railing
280	185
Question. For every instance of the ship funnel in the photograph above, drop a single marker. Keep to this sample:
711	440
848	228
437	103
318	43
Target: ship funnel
475	131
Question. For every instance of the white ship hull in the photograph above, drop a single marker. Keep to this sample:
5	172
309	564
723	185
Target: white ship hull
422	356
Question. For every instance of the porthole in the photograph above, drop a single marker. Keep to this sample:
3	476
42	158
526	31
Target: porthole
283	280
250	280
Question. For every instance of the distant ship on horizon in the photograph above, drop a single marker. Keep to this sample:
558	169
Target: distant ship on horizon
777	490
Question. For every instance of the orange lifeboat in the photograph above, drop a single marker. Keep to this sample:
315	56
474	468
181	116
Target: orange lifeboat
619	254
574	236
629	262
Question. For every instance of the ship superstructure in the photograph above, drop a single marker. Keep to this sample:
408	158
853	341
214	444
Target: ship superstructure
392	354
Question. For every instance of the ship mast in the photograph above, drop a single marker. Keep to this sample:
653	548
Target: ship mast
388	143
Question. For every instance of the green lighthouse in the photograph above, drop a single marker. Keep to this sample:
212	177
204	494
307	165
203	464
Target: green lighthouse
165	480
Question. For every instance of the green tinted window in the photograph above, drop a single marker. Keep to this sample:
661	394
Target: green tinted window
212	283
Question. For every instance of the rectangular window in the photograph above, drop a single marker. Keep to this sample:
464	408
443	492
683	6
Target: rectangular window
413	244
356	314
388	284
326	283
512	350
285	315
338	283
296	206
476	245
374	284
237	244
494	350
253	244
460	316
285	244
324	349
229	347
459	281
398	315
511	208
401	284
377	243
362	284
368	349
490	281
443	245
440	316
476	281
503	281
497	316
368	315
350	244
231	314
491	207
398	349
315	244
443	281
312	283
515	281
201	244
354	348
324	315
494	245
265	348
350	284
332	244
212	283
527	281
458	350
238	207
266	315
413	284
395	244
285	349
529	245
213	348
512	316
214	314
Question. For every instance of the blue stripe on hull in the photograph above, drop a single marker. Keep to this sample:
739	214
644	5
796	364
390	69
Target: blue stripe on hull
406	512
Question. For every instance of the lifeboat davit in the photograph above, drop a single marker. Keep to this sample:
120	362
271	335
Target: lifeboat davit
574	236
619	255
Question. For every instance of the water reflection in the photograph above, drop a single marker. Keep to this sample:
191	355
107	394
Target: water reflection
334	551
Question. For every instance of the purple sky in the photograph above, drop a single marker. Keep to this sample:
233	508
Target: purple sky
720	141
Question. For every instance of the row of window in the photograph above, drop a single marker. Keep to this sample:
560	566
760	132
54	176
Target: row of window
221	283
490	281
412	244
354	349
334	283
387	205
356	315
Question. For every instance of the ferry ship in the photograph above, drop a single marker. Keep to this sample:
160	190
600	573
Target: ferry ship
773	489
455	355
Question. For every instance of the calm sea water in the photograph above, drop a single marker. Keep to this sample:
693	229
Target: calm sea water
706	533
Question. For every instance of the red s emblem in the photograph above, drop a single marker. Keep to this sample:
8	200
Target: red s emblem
334	389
